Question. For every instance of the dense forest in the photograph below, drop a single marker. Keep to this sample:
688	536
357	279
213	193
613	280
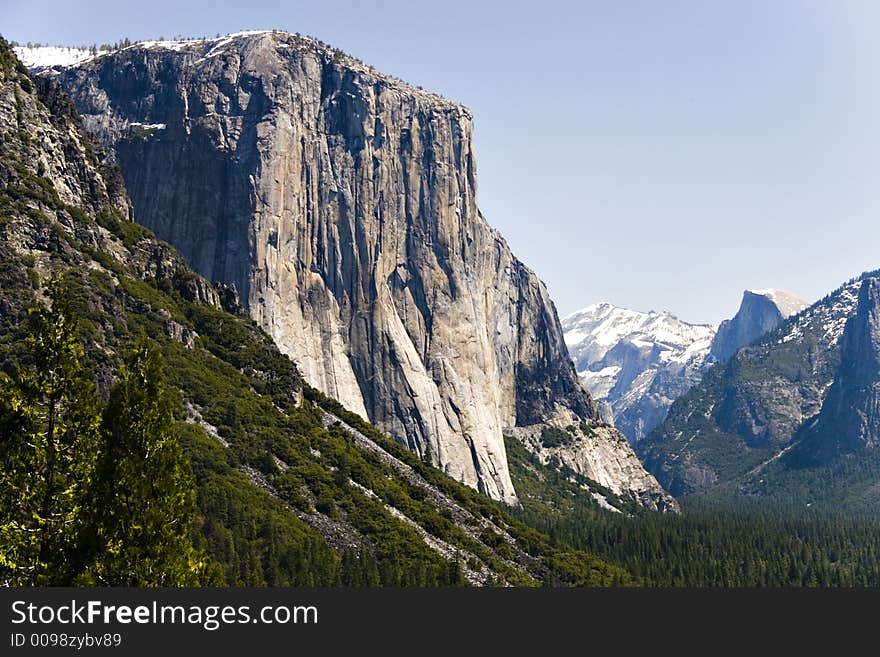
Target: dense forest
713	542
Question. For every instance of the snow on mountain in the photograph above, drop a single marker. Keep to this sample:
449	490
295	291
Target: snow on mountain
43	57
789	304
637	363
828	316
591	332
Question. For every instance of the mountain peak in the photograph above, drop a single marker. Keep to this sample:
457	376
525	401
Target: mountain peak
635	362
788	304
759	312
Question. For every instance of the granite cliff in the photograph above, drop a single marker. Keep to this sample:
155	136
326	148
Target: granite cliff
341	205
849	421
760	311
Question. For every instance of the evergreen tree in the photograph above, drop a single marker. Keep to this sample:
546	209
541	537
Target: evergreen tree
48	436
144	489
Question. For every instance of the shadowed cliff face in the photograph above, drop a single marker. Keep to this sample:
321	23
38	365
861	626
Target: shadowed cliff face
342	206
760	312
850	417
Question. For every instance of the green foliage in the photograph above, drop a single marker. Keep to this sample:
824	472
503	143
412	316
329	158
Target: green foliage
255	538
129	232
555	437
48	441
144	492
712	543
558	565
91	499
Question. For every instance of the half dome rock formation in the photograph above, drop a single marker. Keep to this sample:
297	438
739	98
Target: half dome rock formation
760	311
341	204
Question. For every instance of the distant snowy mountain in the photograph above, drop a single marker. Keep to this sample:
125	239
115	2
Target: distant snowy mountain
637	363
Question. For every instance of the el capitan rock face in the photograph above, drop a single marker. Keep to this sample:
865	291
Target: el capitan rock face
342	205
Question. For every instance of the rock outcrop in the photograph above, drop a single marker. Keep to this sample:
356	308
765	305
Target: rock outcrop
600	453
341	205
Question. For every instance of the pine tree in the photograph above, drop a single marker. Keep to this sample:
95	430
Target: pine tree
144	489
48	436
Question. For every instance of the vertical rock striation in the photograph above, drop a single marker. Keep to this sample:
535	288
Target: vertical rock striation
341	204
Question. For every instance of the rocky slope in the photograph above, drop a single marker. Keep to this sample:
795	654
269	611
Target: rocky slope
738	431
597	453
292	489
341	205
850	417
759	312
635	364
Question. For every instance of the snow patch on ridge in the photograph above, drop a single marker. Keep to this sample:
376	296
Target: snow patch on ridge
48	57
51	56
148	126
789	304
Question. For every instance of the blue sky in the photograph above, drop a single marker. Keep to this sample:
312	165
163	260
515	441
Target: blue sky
658	155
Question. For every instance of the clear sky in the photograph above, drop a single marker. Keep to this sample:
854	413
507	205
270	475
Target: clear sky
658	155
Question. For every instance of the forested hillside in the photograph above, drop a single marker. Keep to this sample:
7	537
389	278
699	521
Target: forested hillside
711	543
285	493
